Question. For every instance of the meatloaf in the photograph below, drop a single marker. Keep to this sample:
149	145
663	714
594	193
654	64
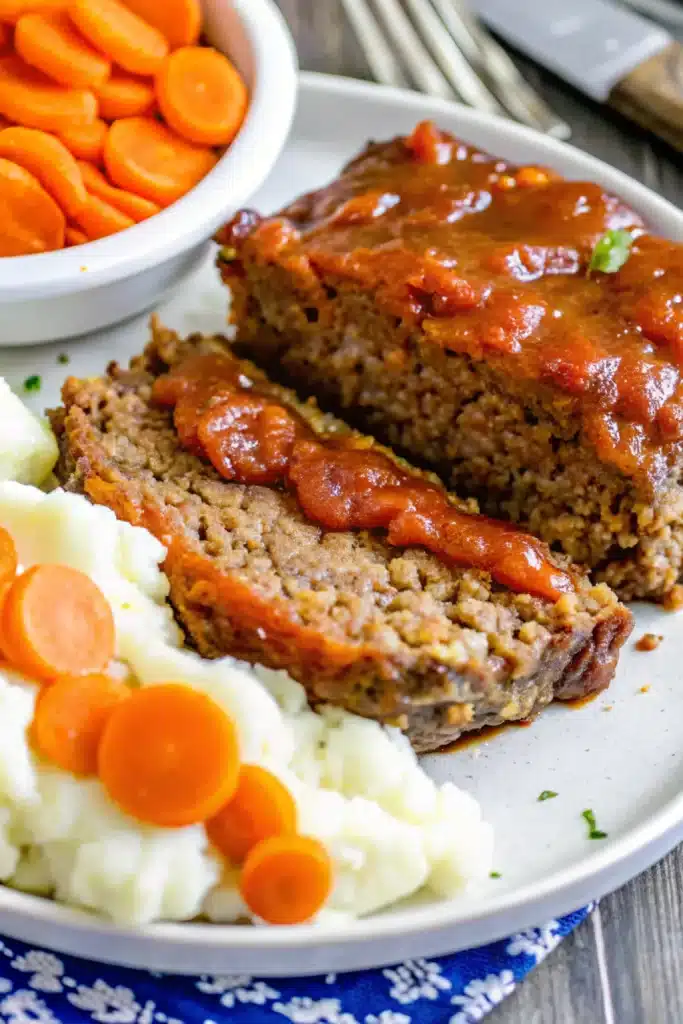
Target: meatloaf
388	631
520	334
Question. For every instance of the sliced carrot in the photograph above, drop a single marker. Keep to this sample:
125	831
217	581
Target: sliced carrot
50	161
74	236
286	879
69	719
99	218
261	807
9	560
86	141
4	591
125	95
178	20
12	10
169	756
30	220
201	95
144	156
5	38
133	206
50	43
128	40
57	622
28	97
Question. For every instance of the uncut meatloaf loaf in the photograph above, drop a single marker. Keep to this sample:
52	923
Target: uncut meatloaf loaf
445	301
389	632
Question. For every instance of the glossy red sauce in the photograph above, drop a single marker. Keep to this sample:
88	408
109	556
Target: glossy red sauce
492	260
340	483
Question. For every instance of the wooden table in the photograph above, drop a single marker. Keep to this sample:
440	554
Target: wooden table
625	964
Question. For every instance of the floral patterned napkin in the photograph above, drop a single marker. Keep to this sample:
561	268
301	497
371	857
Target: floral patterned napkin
39	987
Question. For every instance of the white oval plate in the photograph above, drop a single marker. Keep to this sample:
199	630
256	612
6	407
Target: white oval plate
621	755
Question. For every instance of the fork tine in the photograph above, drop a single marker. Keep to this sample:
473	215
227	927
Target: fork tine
451	59
378	53
463	57
413	53
511	88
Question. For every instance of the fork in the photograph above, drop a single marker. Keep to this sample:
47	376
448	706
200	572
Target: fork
440	47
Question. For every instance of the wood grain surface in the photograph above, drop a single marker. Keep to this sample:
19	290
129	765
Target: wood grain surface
625	964
652	94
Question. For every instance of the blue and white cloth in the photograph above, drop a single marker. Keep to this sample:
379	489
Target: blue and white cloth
41	987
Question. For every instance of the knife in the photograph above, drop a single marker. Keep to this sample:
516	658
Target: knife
608	52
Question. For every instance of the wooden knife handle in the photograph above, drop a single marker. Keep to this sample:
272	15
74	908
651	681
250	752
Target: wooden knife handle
652	95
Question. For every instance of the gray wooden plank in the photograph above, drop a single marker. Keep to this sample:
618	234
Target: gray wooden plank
323	38
565	989
643	929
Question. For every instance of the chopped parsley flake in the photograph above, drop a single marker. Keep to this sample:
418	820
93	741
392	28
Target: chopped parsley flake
33	383
547	794
495	874
593	831
611	252
63	358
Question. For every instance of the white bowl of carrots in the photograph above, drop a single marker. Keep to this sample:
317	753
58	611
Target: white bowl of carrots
129	131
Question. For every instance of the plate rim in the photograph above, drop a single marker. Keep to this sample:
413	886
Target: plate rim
442	926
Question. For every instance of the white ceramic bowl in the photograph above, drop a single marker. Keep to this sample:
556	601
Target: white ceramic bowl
61	294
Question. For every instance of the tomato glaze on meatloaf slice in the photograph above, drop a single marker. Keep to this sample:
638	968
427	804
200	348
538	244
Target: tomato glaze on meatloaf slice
390	633
448	303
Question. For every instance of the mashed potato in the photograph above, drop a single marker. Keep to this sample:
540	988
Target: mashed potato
28	450
358	787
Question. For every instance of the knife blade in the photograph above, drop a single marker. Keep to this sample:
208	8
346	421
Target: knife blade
608	52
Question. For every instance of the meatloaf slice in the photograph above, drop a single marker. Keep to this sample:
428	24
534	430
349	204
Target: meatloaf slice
389	633
449	303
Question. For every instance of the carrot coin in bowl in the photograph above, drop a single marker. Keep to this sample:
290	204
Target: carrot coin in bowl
31	220
144	156
48	159
126	39
29	97
12	10
201	95
5	38
85	141
178	20
134	206
124	95
50	43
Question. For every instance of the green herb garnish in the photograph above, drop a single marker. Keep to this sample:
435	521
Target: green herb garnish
547	794
611	252
33	383
593	831
495	874
63	358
